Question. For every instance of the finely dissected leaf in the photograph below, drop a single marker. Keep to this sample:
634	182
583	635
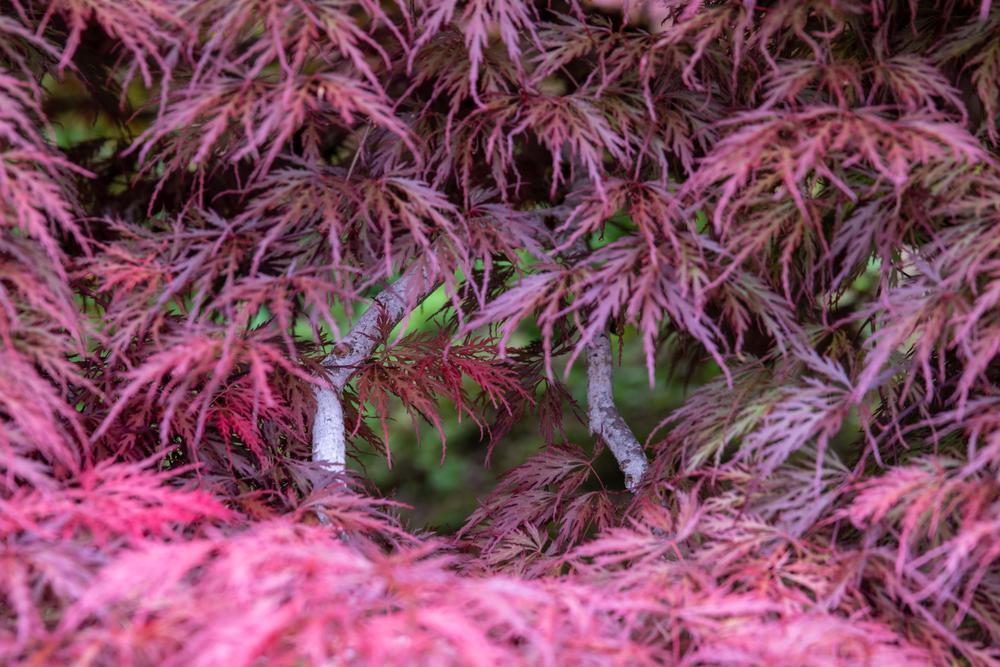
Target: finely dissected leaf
218	219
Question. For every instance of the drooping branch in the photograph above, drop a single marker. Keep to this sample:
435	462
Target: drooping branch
329	440
603	415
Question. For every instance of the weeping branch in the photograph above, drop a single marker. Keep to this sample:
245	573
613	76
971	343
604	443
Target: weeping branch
603	415
329	440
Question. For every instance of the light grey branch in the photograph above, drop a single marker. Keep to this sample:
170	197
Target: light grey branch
602	413
605	420
329	441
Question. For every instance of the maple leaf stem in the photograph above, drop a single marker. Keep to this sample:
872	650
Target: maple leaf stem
329	441
603	415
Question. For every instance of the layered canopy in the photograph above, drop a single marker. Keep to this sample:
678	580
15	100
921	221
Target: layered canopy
200	282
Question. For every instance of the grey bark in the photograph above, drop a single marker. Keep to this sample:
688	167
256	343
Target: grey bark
602	412
603	415
329	438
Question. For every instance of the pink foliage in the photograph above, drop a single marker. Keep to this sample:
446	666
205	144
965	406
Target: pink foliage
804	195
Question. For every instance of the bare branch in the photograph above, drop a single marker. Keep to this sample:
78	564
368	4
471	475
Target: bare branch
602	413
329	443
605	420
328	438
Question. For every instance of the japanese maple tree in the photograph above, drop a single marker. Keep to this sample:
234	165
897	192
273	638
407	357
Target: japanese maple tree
202	295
